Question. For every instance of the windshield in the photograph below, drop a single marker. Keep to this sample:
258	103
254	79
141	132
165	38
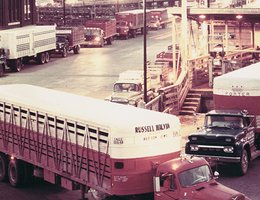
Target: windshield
61	39
121	23
96	32
126	87
194	176
223	121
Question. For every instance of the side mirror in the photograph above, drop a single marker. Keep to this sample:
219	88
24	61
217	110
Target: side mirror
156	184
216	174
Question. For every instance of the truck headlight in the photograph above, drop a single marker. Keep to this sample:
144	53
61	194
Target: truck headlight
228	149
228	140
97	39
194	147
132	102
194	138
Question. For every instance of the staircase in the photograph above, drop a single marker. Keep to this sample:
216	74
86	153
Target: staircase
191	104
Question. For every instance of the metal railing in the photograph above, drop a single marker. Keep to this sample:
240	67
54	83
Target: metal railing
171	98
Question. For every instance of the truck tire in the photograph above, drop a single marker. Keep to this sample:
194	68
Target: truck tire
134	34
16	65
3	167
41	58
164	26
126	36
15	172
2	70
109	41
47	57
64	53
242	166
76	49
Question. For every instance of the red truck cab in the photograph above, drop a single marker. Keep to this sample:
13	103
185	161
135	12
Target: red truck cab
190	178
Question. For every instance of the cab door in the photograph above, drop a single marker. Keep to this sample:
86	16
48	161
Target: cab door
168	188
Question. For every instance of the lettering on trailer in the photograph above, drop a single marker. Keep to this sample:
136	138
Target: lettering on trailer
152	128
237	91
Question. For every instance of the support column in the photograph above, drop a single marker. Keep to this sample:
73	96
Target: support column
174	67
184	42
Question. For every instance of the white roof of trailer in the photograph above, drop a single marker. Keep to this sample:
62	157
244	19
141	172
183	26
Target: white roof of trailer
29	28
245	80
132	11
122	119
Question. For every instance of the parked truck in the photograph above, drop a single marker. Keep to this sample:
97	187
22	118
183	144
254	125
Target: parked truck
130	23
100	31
109	149
159	18
27	43
231	132
69	39
129	88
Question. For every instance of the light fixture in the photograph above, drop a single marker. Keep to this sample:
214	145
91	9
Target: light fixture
202	16
239	16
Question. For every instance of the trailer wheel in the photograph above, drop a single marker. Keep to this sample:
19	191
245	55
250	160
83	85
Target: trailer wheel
109	41
3	167
15	175
16	65
242	167
134	33
47	57
41	58
76	49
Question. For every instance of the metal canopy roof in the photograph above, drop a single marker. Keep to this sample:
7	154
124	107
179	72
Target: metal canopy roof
248	14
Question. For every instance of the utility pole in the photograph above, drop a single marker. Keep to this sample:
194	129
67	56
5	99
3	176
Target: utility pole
64	12
145	55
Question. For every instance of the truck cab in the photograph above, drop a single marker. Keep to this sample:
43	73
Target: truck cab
128	89
94	37
62	44
190	178
127	92
228	136
122	28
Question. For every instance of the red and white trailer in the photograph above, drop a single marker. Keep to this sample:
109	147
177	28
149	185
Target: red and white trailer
74	141
110	148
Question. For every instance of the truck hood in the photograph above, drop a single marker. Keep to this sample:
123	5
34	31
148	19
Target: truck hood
216	191
124	95
215	132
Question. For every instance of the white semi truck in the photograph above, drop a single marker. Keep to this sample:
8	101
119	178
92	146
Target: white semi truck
20	45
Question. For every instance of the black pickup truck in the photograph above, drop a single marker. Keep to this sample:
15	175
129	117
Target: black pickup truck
228	136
